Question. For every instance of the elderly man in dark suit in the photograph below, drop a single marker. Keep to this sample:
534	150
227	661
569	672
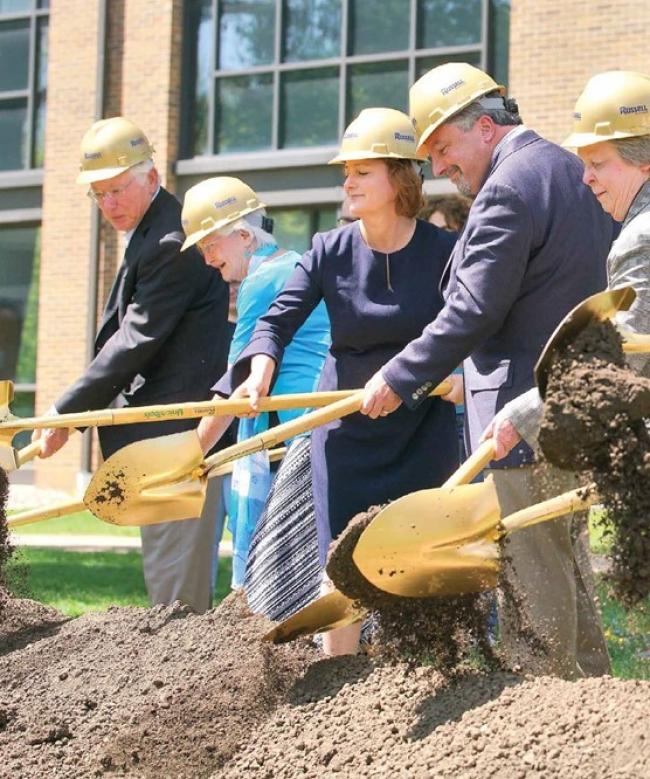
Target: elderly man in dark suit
534	245
162	339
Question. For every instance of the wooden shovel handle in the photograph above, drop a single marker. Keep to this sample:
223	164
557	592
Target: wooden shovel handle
635	342
171	411
472	466
28	453
576	500
51	512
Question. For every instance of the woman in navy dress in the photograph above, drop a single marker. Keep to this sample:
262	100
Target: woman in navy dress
379	278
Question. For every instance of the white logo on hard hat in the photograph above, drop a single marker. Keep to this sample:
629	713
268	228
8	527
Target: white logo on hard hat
446	90
633	109
226	202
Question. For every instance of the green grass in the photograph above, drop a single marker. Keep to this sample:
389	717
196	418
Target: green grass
82	523
628	636
78	582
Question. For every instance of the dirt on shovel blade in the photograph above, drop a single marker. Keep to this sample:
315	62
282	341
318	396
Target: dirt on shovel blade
593	422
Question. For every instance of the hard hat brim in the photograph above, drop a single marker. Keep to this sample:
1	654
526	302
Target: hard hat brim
198	235
340	159
578	140
101	174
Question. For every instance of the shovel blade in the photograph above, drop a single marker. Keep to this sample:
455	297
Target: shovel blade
438	542
328	612
598	307
149	481
8	459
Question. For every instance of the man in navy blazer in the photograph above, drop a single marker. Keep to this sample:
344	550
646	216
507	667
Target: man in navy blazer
534	245
163	338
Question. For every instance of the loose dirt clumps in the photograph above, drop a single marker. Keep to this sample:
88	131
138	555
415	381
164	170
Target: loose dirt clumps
5	545
441	630
593	422
353	718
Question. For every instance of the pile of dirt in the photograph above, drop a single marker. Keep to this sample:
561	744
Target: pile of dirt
593	423
352	718
164	692
146	692
444	631
5	546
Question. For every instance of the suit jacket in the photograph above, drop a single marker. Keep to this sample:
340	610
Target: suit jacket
163	337
533	247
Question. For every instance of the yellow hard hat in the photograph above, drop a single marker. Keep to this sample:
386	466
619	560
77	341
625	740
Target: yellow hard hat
615	104
446	90
110	147
378	133
213	204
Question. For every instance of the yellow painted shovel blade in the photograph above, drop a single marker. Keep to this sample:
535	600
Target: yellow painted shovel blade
149	481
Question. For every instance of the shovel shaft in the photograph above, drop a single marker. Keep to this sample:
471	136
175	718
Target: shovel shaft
635	342
206	408
38	515
472	466
575	500
28	453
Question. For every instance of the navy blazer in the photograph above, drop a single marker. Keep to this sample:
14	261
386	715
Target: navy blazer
163	337
534	246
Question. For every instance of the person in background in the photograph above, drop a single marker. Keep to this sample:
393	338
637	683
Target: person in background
345	216
534	245
446	211
225	219
379	279
611	132
160	302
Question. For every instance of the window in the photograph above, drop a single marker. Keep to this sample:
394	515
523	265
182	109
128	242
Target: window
19	275
23	82
266	75
293	228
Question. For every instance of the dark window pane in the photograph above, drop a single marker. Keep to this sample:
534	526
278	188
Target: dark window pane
246	33
292	228
377	84
425	64
14	55
326	218
15	6
448	23
43	3
378	25
40	98
312	29
18	302
499	39
13	134
243	113
23	406
310	107
199	52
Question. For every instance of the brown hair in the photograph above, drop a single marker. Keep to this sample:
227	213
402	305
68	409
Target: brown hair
408	186
453	207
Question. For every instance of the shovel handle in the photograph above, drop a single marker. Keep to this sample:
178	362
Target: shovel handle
204	408
38	515
635	343
28	453
472	466
576	500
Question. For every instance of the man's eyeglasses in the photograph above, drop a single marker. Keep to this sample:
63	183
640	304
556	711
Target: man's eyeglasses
113	193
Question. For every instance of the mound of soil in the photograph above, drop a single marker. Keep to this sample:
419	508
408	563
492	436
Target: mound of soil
148	692
351	718
593	423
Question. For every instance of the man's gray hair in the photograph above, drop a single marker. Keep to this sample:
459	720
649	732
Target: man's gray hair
252	224
505	115
141	170
636	150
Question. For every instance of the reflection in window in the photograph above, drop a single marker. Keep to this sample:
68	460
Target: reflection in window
427	63
379	25
499	37
312	29
245	109
449	23
23	84
246	33
310	107
294	227
377	84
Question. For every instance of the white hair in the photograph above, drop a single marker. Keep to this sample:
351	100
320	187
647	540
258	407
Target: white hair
635	150
141	170
251	224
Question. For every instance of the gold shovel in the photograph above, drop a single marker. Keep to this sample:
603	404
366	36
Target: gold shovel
164	479
335	609
598	307
451	547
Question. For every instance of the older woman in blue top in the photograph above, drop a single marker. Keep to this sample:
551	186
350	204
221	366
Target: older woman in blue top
226	219
379	278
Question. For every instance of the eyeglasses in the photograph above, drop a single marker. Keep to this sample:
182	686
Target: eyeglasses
114	193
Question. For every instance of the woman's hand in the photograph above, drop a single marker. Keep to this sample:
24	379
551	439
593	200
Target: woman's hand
211	429
505	436
456	393
379	400
257	384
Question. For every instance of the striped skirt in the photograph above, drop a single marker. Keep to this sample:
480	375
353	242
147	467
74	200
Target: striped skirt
283	573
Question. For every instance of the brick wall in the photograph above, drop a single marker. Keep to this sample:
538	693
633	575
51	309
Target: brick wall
556	46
